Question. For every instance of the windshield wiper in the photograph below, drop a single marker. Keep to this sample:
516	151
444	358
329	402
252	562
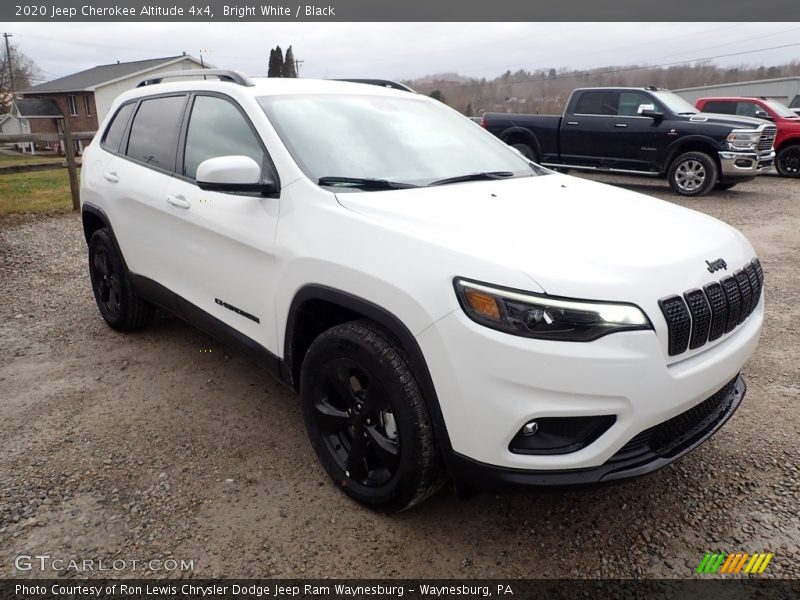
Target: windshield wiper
474	177
688	113
365	183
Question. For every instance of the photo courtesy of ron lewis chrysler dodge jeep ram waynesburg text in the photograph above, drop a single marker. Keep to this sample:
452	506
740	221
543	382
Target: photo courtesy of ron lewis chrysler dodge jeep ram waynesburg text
443	306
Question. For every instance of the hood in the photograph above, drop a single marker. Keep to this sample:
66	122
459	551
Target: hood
571	236
732	121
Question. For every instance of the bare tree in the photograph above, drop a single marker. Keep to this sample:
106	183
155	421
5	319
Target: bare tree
25	71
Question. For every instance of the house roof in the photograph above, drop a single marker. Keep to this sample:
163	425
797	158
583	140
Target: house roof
102	74
30	108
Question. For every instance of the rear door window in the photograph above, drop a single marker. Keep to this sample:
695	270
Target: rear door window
154	133
597	103
722	108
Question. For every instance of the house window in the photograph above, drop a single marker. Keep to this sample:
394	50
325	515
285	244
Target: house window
87	104
73	106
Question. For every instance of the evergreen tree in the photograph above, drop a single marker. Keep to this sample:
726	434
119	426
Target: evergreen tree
289	66
274	66
278	62
438	95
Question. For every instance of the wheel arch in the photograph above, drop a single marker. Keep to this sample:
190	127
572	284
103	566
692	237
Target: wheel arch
793	141
316	308
692	144
94	218
513	135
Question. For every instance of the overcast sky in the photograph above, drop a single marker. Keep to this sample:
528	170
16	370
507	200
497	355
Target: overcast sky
405	50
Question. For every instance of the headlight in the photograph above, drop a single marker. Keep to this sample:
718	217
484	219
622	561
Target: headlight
546	317
743	139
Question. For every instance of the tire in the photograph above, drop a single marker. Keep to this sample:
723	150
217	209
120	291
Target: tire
692	174
787	161
119	305
526	150
367	420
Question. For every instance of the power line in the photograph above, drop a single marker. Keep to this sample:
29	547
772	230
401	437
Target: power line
580	73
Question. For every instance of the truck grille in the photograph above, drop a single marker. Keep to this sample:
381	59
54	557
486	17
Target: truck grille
702	316
767	139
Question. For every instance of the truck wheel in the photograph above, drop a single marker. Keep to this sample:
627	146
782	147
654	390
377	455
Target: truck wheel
692	174
367	420
119	305
787	162
525	150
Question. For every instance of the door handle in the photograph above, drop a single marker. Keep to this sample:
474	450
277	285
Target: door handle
620	124
572	122
178	201
111	176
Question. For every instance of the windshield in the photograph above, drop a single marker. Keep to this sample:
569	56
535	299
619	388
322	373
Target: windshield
341	139
781	109
676	104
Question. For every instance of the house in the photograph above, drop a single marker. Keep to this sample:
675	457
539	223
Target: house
85	97
22	112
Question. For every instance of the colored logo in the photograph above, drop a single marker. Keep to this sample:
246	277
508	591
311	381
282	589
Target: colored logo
738	562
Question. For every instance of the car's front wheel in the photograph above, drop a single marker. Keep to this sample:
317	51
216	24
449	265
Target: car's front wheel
367	419
692	174
787	162
119	305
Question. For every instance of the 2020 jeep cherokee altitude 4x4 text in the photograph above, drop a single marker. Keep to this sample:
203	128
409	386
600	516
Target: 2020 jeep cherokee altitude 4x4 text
443	305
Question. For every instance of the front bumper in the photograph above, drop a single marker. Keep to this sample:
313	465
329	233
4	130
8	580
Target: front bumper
650	450
735	165
490	384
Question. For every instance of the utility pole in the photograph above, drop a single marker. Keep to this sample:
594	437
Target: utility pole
10	68
297	64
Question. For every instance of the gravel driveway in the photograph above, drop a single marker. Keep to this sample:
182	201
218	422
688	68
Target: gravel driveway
162	444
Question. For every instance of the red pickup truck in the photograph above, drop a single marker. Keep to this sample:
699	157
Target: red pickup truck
787	141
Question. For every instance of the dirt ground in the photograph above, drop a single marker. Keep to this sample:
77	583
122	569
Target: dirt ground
162	444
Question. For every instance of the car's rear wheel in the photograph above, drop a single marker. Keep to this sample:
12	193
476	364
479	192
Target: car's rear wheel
692	174
526	150
367	419
787	161
119	305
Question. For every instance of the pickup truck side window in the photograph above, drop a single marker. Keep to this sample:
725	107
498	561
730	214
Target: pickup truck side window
720	108
795	102
597	103
217	128
154	133
748	109
629	103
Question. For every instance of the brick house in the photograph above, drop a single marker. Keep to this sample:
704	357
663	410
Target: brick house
85	97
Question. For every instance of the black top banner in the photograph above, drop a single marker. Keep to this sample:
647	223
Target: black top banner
401	10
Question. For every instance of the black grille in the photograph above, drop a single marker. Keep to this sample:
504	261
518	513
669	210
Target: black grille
701	317
672	436
718	308
734	298
678	322
747	294
767	138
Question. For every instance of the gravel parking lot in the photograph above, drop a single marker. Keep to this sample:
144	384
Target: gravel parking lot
162	444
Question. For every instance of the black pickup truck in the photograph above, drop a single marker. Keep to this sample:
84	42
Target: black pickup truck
642	131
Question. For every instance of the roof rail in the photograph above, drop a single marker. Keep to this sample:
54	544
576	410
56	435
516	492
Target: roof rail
382	83
223	74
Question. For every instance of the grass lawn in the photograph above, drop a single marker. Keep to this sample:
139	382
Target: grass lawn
37	192
8	160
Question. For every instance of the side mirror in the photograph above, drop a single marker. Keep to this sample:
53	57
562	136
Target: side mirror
762	114
653	114
233	174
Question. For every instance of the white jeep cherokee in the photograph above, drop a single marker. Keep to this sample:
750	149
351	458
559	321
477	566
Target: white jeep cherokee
443	305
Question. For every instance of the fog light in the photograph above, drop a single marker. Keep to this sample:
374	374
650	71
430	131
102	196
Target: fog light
559	435
530	428
743	163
